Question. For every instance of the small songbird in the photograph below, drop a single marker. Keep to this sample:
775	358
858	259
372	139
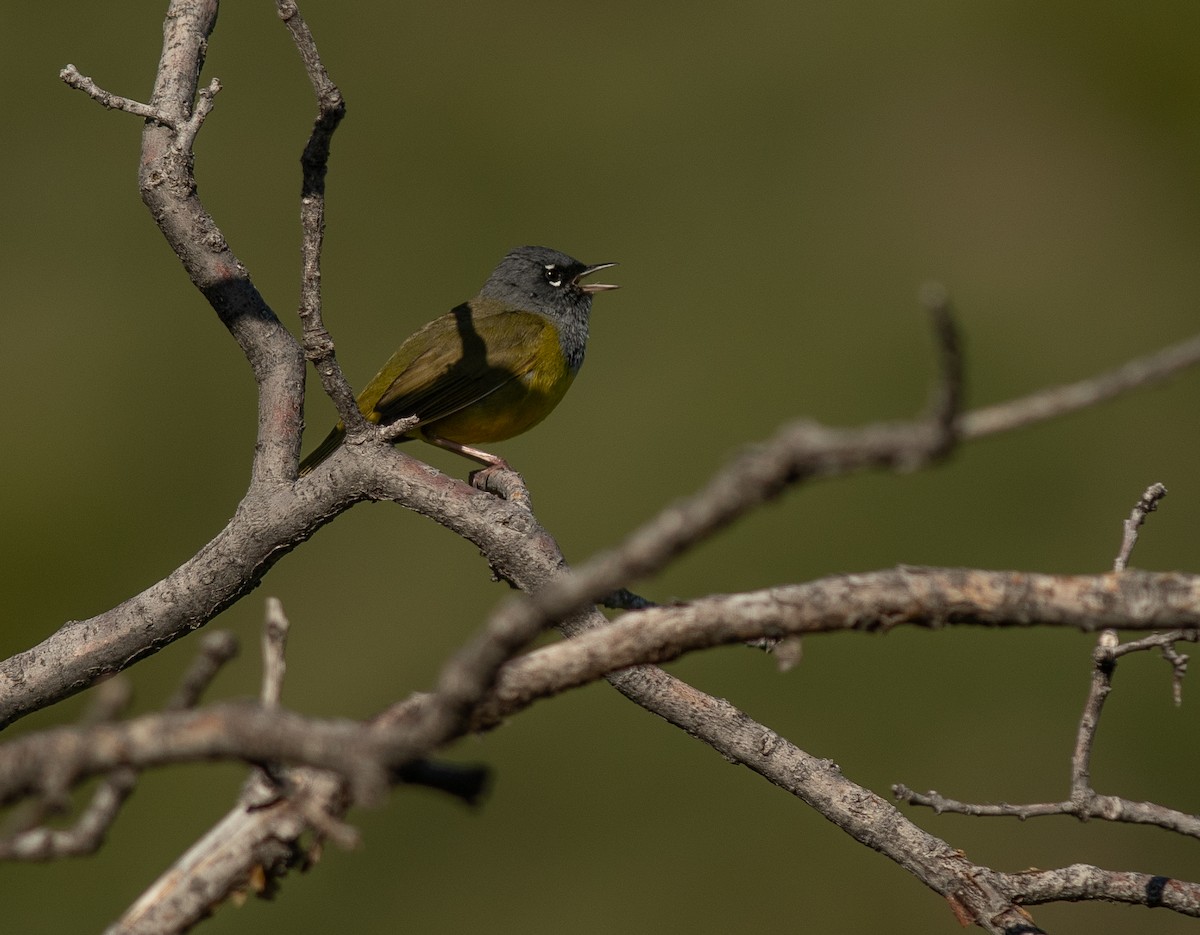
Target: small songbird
491	368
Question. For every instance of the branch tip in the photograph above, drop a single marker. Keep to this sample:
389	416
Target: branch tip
1147	504
73	78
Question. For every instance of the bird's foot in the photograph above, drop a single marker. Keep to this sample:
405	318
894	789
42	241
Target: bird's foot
500	479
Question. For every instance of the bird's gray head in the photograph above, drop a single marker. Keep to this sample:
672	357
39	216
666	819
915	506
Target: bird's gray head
539	279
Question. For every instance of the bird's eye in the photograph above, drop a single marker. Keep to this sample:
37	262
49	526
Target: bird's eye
554	276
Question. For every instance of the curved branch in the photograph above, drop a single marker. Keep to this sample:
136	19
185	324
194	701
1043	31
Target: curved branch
168	188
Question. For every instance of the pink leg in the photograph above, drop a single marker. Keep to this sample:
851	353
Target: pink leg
466	451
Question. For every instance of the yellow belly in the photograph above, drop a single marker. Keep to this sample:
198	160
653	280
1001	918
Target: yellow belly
514	408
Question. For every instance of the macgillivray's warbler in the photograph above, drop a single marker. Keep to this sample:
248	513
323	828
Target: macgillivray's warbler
491	368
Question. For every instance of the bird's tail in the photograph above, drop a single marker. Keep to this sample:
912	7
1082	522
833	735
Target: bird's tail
323	450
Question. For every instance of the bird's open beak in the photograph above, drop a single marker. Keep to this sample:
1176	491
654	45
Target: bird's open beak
590	287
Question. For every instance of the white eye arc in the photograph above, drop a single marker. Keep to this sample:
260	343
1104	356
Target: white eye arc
554	275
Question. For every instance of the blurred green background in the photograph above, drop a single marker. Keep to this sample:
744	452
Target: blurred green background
776	180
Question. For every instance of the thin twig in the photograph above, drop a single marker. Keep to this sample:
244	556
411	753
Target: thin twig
1179	664
1156	640
274	646
1103	807
1103	665
86	835
1055	401
1146	505
946	404
205	98
1166	643
25	837
314	161
73	78
216	649
394	429
271	779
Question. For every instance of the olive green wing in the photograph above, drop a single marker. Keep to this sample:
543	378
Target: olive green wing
454	361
